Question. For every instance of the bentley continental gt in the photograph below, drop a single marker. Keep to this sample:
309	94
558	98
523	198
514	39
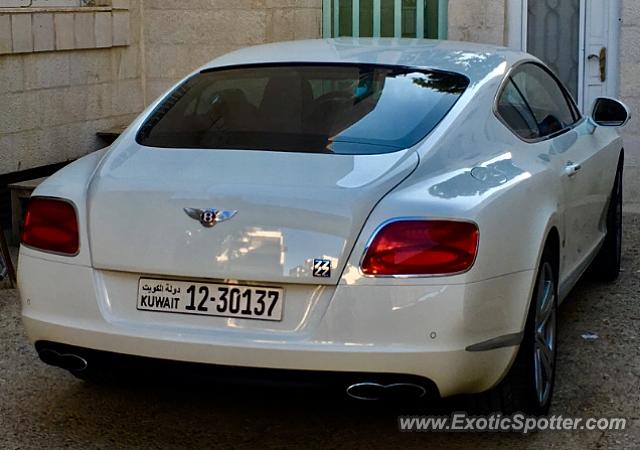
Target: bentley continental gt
391	216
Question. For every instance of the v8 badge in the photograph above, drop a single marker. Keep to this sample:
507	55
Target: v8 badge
321	268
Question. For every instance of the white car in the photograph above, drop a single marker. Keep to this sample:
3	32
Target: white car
400	217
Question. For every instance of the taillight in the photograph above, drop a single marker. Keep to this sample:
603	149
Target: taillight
422	247
51	225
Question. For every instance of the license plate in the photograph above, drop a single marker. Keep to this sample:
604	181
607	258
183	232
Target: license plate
210	299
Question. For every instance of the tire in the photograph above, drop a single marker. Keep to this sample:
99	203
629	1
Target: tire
528	386
606	265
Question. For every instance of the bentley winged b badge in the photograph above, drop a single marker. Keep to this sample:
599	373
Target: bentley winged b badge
209	217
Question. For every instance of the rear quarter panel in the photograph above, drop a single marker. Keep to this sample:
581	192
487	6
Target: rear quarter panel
71	183
475	169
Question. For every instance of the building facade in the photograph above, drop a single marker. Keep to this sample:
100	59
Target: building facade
72	68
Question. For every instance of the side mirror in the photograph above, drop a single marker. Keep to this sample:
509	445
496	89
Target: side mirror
609	112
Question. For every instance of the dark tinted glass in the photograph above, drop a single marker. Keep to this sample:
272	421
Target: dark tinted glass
609	112
516	113
548	101
304	108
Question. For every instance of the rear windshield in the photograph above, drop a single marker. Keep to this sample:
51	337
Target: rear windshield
345	109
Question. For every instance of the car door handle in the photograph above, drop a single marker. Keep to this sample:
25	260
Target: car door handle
572	169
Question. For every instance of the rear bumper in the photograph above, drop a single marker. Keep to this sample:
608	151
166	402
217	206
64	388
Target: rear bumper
453	372
420	331
101	365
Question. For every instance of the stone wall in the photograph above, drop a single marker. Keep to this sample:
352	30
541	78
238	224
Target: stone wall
182	35
477	21
64	75
630	94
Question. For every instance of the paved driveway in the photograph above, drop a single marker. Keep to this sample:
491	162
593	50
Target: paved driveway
44	407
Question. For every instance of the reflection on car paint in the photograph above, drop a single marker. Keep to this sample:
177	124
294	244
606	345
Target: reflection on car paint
480	179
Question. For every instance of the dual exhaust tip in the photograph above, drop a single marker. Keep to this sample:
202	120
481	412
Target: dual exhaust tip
372	391
69	361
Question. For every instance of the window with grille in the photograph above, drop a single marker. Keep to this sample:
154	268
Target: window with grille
385	18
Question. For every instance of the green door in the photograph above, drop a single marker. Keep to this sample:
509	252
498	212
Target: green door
385	18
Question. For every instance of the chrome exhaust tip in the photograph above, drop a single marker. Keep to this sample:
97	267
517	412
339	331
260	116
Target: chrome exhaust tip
371	391
66	361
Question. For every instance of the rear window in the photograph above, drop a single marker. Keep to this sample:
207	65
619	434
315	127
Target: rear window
344	109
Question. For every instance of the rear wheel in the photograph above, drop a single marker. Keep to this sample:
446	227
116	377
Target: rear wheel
528	387
606	266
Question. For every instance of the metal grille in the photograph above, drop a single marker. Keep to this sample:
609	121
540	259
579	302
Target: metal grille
385	18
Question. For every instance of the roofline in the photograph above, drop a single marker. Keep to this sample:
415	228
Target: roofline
470	59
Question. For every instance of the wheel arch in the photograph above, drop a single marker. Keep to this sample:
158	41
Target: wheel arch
551	241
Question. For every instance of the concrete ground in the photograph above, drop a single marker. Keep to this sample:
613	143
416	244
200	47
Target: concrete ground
44	407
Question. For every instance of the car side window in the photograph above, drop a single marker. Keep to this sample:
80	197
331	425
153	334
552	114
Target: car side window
515	112
547	100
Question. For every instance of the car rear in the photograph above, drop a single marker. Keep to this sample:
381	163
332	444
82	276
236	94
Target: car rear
221	231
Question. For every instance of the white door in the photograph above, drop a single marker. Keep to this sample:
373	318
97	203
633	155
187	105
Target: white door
578	39
598	70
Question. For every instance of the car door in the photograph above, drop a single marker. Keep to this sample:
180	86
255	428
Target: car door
573	144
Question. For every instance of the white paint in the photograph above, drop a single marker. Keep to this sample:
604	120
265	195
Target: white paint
355	15
397	18
376	17
517	24
602	30
326	19
420	19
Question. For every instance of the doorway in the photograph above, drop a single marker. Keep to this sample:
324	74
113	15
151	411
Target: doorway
578	39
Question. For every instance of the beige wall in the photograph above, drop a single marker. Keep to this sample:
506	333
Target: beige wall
182	35
65	74
477	21
630	94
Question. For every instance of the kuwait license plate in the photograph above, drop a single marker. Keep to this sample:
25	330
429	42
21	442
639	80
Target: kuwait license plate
210	299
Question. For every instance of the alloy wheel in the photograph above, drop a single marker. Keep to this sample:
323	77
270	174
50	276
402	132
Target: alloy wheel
544	347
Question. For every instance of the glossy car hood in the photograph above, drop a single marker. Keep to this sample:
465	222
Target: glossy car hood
291	208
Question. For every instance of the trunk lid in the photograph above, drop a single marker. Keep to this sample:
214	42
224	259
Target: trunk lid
292	208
